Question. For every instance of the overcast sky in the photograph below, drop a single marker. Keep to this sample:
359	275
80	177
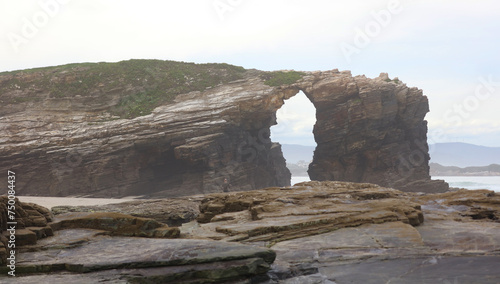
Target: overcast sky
448	48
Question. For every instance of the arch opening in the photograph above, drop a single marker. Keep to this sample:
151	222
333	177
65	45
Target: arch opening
294	131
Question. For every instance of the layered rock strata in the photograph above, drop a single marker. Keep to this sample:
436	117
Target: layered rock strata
141	260
33	222
28	224
314	232
173	212
91	247
65	140
370	130
335	232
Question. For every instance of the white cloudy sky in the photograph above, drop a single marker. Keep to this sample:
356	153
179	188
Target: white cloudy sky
445	47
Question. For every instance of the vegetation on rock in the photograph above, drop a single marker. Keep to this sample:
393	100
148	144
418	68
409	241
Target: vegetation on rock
278	78
141	85
395	80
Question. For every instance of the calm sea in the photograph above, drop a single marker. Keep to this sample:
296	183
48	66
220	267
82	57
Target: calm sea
299	179
469	182
483	182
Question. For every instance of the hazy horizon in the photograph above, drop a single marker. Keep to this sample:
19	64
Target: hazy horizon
449	49
428	144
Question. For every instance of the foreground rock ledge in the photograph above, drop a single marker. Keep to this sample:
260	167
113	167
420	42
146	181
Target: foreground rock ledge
277	214
319	232
90	245
158	260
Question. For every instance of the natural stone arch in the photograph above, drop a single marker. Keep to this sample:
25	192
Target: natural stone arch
370	130
367	130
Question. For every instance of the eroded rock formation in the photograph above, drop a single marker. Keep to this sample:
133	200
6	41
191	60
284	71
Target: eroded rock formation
33	222
66	132
314	232
30	223
370	130
172	212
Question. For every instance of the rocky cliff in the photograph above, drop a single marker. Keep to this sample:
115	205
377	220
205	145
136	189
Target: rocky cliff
161	128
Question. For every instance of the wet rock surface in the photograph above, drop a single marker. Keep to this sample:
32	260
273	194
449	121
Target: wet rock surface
313	232
450	246
142	260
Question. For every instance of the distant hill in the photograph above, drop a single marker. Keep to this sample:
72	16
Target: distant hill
439	170
447	154
463	154
295	153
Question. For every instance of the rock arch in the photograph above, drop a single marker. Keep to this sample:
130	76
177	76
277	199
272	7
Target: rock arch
299	114
367	130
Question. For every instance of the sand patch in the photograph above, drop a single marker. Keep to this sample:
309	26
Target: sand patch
50	202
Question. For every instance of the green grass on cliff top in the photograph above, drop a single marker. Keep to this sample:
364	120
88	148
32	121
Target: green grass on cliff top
139	85
126	89
278	78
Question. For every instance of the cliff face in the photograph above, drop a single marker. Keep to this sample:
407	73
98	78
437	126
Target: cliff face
370	130
101	132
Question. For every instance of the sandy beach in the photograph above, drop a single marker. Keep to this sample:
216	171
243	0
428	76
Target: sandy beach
50	202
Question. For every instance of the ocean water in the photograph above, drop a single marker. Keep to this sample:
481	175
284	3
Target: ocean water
472	182
468	182
299	179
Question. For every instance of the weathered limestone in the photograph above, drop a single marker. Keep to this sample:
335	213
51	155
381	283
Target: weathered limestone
370	130
116	224
172	212
315	232
367	130
144	260
31	224
35	222
278	214
453	245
